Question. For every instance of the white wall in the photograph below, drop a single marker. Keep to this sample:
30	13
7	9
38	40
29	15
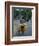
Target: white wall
2	22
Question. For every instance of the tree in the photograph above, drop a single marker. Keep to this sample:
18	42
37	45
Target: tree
26	13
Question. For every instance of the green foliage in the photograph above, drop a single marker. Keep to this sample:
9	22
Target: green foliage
16	13
27	14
